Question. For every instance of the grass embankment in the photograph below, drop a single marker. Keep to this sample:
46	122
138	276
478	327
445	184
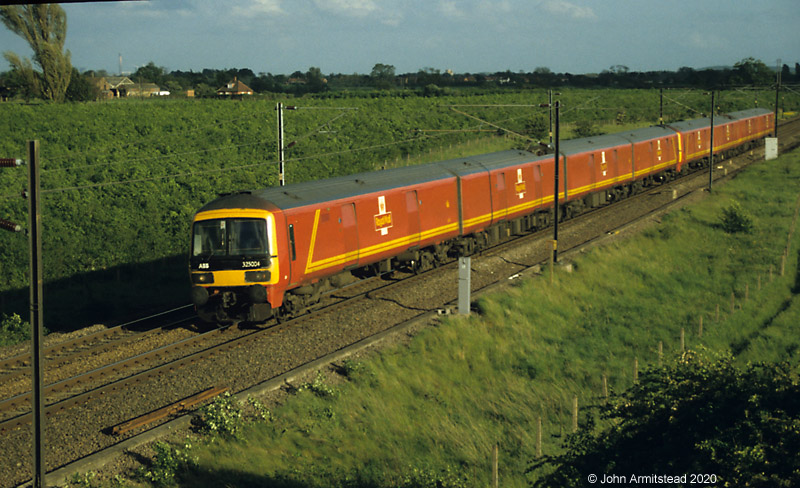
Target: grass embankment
431	411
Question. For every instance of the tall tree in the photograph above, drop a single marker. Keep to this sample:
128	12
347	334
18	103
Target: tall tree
750	71
44	26
383	76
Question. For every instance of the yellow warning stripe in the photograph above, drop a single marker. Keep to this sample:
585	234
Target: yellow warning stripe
728	144
401	242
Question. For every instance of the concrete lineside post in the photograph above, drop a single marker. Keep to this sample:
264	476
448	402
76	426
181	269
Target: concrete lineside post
464	284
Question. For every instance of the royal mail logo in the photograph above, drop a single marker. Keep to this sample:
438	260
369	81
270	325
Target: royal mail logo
519	186
383	220
603	163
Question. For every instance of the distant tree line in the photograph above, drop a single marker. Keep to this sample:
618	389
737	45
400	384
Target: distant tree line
44	27
425	82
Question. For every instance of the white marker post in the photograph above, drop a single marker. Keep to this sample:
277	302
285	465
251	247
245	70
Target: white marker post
464	272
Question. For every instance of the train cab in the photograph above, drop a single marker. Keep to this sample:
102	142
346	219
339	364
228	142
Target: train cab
234	259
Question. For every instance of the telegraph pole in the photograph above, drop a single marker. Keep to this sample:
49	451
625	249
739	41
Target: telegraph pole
555	190
550	112
281	173
711	145
36	309
777	97
282	147
37	322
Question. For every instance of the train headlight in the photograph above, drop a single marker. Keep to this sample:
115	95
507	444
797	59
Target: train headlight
257	276
202	278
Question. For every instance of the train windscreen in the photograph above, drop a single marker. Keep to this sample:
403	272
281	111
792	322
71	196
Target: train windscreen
230	237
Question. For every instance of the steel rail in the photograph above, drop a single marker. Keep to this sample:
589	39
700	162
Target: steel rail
99	348
23	360
23	399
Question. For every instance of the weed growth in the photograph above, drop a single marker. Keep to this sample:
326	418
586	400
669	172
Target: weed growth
167	462
319	387
222	417
13	330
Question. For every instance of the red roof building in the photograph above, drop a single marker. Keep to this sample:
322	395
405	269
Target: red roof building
234	88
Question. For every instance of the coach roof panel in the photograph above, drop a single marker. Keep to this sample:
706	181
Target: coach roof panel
589	144
648	133
704	123
342	187
749	113
310	192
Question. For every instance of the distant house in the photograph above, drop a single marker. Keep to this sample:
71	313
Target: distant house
234	88
143	90
122	86
113	86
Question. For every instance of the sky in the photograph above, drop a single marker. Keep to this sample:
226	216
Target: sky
466	36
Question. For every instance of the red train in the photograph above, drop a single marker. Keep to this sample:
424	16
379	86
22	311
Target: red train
276	251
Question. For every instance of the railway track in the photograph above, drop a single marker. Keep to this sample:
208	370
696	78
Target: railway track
70	351
243	358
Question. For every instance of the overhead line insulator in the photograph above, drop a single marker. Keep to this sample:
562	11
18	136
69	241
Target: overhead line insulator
8	225
10	162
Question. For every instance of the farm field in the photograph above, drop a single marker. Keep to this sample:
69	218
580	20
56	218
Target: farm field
121	179
428	413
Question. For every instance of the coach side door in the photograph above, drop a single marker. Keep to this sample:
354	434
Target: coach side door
349	234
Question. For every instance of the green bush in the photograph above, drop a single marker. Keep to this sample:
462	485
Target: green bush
736	219
13	330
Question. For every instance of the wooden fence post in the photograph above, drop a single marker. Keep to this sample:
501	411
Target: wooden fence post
539	437
574	414
700	328
495	474
660	353
635	370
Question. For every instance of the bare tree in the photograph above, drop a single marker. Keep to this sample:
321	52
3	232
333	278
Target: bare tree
44	26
